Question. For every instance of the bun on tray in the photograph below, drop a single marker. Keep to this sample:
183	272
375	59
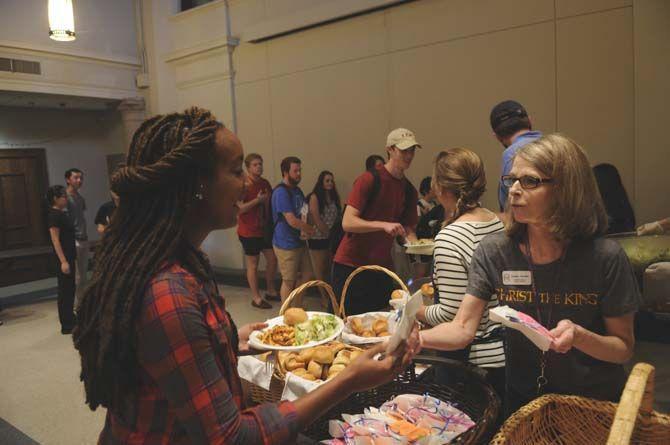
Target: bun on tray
294	316
323	355
380	325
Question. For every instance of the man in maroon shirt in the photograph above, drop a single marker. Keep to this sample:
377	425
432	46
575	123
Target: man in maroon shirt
254	210
380	208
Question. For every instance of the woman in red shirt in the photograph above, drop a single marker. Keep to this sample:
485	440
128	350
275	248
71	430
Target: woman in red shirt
158	348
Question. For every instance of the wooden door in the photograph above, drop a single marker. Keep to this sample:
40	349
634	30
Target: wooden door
23	183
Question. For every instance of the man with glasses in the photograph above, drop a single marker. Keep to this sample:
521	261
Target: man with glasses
512	127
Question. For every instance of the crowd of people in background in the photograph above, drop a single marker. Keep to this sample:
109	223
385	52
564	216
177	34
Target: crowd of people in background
319	236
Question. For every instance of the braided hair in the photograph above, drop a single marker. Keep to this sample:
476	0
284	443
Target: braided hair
168	156
461	172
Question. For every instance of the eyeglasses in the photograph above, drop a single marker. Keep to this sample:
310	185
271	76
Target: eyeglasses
527	182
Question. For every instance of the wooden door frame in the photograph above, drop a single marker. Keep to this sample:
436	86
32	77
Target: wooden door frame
40	155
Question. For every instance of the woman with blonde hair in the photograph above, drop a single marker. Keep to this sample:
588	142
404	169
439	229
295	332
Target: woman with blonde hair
573	281
459	181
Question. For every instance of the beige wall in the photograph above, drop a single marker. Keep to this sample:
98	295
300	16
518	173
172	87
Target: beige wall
652	115
595	71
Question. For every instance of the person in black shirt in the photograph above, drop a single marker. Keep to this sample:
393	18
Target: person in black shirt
104	215
61	230
620	215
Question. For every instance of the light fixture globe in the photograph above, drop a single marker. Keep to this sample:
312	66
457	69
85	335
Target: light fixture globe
61	20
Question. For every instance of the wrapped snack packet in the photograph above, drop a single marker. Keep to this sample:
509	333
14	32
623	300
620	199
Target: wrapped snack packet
524	323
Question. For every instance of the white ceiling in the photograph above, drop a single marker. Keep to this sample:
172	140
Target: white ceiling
54	101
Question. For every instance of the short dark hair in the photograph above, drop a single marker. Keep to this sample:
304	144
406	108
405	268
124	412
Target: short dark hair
69	172
509	117
251	157
371	161
424	187
55	191
286	164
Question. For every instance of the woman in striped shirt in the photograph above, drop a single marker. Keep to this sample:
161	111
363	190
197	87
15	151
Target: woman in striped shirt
459	182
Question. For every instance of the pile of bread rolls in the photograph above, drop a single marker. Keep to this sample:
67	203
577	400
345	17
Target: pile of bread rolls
379	327
320	362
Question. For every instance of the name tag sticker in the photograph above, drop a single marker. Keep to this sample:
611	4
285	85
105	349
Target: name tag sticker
517	277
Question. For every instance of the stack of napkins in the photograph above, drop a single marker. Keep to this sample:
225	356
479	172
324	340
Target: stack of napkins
523	323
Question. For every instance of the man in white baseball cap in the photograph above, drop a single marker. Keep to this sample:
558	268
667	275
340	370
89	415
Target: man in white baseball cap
380	207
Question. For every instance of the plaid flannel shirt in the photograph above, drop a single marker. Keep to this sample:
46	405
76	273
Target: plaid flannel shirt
190	392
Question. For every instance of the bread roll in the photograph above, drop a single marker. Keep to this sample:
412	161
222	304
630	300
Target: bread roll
380	325
341	360
427	290
334	370
315	369
397	294
294	364
306	355
323	355
343	353
356	325
354	355
302	372
294	316
336	347
367	334
383	334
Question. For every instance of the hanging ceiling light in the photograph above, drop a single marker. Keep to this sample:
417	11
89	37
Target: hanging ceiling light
61	20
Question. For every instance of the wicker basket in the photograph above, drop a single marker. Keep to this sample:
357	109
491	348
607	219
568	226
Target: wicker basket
262	395
467	390
381	269
557	419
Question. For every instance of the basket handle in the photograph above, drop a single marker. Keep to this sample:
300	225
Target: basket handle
391	274
300	289
638	395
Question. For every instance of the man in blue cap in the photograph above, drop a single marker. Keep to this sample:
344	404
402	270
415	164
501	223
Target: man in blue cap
511	124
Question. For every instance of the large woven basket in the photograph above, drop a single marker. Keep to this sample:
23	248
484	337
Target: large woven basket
567	420
467	390
262	395
380	269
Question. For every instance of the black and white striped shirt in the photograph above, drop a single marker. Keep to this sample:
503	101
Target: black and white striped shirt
454	246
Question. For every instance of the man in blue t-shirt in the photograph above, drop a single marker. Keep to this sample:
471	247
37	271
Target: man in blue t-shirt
511	124
289	214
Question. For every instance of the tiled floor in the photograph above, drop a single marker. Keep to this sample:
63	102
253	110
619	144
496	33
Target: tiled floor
40	393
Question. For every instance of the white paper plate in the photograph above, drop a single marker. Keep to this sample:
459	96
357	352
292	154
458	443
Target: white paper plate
349	337
256	343
420	249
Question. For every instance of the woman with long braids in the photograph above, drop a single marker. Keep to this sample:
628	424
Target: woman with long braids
459	181
157	347
554	265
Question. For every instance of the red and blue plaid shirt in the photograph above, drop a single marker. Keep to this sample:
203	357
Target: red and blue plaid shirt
190	392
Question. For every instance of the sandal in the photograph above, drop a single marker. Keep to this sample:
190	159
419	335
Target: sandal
272	297
262	305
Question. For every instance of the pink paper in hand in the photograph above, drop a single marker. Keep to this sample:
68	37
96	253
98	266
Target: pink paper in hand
533	324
